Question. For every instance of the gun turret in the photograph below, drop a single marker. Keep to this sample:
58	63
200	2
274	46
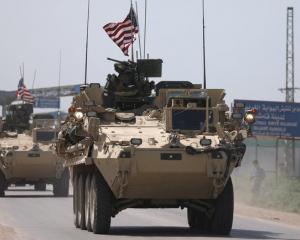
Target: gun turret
17	116
131	89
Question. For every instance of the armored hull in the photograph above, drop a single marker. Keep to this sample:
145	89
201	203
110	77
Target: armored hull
154	169
24	160
178	153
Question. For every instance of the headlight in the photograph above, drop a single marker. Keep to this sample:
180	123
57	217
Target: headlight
136	141
250	116
78	115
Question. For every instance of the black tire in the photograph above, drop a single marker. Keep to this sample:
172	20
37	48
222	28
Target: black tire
61	186
198	220
40	186
100	205
75	200
191	218
87	203
81	201
221	223
3	184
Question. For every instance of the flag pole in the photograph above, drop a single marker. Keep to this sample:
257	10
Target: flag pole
20	68
23	71
131	16
138	22
87	42
203	35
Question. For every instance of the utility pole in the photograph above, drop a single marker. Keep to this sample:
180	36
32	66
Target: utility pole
290	89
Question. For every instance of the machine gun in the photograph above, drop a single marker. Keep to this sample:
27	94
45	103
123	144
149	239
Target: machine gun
130	88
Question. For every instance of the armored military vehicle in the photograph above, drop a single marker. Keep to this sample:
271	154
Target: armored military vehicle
27	156
179	152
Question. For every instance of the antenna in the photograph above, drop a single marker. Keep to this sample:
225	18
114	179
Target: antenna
59	78
87	42
138	22
34	76
145	29
58	93
204	58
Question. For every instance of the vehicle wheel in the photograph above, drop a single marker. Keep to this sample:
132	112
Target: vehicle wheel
221	222
101	205
40	186
81	201
61	186
75	200
197	220
87	203
3	184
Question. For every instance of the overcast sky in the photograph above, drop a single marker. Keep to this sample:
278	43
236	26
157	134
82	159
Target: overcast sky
245	42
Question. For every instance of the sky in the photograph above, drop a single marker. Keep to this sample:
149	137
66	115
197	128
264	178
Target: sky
245	42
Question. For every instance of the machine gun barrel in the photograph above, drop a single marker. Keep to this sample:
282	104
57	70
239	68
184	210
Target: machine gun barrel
129	62
114	60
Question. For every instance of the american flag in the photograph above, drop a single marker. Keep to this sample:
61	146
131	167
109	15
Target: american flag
123	33
23	93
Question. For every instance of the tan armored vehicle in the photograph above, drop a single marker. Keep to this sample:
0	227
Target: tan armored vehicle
179	152
28	157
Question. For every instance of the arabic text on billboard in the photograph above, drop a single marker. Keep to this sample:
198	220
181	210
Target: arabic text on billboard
280	119
47	102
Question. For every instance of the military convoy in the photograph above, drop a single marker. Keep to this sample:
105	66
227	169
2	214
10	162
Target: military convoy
134	144
27	153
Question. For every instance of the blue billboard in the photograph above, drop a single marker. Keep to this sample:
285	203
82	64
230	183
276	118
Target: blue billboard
47	102
279	119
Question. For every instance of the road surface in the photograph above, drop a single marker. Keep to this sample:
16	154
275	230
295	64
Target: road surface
40	216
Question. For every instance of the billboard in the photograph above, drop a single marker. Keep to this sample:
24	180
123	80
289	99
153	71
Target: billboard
47	102
281	119
62	91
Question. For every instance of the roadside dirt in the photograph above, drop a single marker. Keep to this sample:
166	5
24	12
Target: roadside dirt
267	214
8	233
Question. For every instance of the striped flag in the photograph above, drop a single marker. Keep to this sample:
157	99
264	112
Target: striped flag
23	93
123	33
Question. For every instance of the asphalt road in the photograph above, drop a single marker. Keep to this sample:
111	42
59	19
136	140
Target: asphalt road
40	216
